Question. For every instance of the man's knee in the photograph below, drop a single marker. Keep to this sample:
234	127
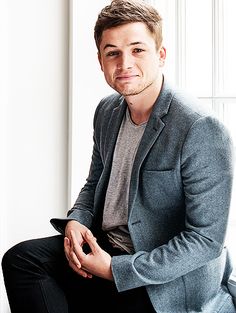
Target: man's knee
14	255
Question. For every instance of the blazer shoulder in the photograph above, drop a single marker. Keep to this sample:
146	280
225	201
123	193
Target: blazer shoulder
190	105
105	108
186	110
198	117
108	103
180	103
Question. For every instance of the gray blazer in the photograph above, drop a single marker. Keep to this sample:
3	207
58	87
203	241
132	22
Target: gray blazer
179	201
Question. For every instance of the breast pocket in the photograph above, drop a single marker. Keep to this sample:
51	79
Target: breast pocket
160	188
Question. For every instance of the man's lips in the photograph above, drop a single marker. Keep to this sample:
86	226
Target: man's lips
126	77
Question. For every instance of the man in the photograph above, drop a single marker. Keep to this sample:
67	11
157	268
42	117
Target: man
147	231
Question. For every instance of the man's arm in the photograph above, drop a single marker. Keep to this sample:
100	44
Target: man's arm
83	209
207	173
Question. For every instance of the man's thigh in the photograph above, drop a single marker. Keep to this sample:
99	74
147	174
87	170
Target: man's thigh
46	260
93	293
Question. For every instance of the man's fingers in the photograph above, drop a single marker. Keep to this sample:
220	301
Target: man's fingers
70	254
67	247
76	247
74	259
84	273
92	241
72	251
79	271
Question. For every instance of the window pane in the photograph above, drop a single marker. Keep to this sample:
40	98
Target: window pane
166	8
207	103
227	48
199	47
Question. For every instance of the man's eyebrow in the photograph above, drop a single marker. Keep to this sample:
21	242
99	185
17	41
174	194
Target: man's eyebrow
131	44
137	43
109	46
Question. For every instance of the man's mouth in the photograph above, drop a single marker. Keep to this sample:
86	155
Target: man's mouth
126	77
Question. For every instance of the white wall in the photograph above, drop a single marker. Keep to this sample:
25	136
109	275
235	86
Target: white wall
88	86
33	119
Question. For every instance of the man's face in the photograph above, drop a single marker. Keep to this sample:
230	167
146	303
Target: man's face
129	58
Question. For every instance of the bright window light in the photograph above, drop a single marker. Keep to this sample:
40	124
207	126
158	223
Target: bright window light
200	37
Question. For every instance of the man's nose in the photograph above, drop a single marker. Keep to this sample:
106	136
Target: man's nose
125	62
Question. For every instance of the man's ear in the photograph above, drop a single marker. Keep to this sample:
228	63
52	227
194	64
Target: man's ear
162	56
100	60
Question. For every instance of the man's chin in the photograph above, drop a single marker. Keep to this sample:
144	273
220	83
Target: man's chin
128	93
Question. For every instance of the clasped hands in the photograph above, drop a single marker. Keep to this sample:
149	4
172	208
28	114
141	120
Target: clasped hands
97	262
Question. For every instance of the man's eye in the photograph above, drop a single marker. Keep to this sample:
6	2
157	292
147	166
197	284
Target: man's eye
138	50
112	53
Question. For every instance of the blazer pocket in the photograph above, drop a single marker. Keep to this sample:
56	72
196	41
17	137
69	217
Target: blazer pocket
161	188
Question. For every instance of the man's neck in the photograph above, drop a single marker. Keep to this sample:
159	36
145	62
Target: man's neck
140	106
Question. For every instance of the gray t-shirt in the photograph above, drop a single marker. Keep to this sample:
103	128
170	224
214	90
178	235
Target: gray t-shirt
115	215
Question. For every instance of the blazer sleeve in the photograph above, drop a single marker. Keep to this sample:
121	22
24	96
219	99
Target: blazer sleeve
207	174
83	208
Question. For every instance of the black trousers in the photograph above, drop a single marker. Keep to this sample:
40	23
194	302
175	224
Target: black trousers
38	279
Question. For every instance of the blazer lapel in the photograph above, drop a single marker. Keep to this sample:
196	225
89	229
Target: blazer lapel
113	127
150	135
153	130
113	130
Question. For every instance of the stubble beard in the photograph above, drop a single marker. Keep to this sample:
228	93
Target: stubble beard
133	91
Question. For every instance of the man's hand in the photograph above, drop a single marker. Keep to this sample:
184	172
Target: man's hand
79	231
97	262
